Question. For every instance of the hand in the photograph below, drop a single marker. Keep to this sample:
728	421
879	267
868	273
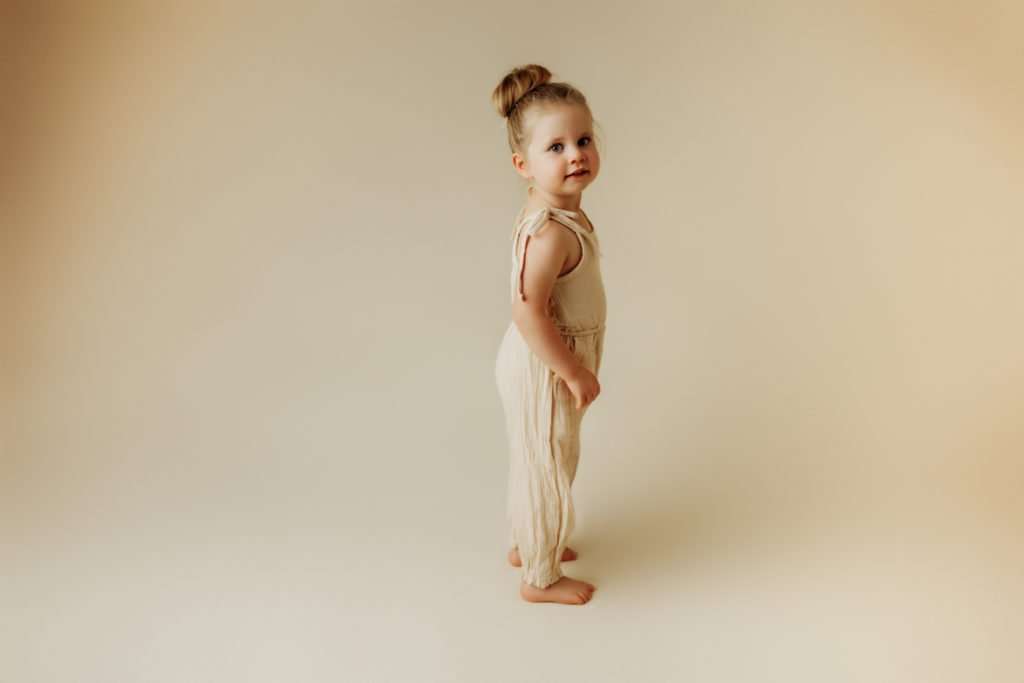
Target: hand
584	386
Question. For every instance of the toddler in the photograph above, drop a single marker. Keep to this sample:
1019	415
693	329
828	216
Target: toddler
550	355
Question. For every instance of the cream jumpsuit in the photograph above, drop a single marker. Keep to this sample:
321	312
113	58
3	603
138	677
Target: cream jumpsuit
541	418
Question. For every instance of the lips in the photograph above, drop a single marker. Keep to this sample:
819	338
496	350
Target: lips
578	174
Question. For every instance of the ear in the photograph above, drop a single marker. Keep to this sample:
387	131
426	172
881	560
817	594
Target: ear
519	164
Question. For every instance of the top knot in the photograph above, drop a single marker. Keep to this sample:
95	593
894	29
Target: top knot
516	84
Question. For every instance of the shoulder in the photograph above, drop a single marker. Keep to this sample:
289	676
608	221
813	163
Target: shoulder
547	228
549	241
549	235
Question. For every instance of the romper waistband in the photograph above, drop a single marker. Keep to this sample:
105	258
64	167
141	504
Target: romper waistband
578	331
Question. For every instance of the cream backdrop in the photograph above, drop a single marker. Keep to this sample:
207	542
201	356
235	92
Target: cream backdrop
255	273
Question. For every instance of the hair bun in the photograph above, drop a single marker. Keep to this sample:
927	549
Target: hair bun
514	86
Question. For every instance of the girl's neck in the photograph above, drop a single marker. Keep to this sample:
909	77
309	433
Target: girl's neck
535	200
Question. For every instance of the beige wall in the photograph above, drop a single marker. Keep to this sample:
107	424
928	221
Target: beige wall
254	275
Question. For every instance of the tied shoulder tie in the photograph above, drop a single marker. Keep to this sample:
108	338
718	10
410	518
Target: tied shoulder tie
530	226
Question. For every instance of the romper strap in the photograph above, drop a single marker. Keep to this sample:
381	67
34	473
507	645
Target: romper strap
530	225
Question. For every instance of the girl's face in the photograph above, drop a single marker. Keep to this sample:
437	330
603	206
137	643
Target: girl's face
561	143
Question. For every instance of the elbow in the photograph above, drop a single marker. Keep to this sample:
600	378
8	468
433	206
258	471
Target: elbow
524	313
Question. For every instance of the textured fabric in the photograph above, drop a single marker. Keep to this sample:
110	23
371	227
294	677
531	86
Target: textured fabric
541	419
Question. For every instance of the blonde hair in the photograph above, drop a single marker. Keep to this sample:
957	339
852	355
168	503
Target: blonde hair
523	88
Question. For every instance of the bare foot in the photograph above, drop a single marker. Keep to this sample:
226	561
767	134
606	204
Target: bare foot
568	555
566	591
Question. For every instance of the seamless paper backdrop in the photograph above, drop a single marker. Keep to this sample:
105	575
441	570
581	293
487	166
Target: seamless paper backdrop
253	277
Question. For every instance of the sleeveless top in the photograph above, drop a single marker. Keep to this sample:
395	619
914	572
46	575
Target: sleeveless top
577	305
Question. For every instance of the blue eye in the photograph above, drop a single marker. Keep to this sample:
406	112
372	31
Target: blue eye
557	144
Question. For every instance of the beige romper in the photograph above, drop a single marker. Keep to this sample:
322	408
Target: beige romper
542	421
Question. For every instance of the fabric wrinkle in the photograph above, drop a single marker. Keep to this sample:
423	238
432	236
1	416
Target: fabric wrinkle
542	421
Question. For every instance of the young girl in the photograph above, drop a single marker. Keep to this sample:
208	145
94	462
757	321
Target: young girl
550	355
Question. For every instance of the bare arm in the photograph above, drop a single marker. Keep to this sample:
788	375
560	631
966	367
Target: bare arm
546	253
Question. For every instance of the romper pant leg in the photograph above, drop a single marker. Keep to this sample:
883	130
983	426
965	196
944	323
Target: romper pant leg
543	427
588	351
